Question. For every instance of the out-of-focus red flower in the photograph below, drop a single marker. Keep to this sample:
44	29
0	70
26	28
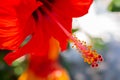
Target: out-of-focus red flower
58	74
46	69
40	19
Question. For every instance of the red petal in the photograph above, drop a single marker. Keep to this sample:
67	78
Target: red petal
53	29
16	24
37	46
14	21
73	8
10	35
63	14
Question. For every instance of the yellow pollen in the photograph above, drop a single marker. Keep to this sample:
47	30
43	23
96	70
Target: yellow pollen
88	54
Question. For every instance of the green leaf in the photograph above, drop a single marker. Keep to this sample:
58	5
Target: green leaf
114	6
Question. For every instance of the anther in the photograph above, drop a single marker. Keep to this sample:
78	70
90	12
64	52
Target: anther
92	65
101	59
99	56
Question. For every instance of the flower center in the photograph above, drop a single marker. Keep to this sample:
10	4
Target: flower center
46	4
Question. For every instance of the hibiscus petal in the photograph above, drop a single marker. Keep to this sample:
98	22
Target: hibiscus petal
14	22
36	46
58	33
63	14
73	8
10	37
53	29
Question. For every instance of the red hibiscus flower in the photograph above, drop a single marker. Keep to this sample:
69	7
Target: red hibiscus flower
40	20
